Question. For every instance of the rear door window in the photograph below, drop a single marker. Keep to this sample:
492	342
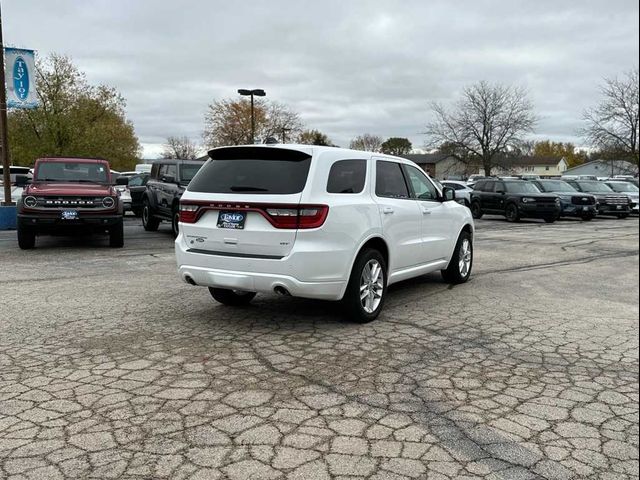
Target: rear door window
347	176
253	170
390	180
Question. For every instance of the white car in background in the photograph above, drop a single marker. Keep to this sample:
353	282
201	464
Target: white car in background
463	191
317	222
629	189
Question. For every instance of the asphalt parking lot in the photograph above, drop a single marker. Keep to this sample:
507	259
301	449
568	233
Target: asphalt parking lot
110	367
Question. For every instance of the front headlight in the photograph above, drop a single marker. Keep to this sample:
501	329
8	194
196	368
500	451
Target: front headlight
528	200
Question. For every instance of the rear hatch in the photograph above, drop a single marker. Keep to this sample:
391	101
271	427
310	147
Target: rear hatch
245	202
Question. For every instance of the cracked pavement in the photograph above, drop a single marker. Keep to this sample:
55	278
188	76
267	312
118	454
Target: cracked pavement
110	367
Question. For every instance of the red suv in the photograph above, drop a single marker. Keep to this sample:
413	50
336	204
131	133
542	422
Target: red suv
69	195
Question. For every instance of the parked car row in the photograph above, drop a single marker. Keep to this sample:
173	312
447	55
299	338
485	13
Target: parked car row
550	199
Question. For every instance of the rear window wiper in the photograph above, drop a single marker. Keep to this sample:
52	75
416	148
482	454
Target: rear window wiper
243	188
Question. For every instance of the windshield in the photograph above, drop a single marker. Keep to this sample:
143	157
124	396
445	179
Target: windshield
521	187
597	187
251	170
71	172
187	172
623	187
556	186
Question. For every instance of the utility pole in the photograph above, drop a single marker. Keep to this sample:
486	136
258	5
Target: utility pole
4	143
258	92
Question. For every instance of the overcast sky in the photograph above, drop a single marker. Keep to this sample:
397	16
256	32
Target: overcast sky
348	67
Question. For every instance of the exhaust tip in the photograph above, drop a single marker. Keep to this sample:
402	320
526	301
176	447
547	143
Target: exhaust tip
189	280
280	290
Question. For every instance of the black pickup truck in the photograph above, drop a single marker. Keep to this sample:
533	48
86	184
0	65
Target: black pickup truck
515	199
167	181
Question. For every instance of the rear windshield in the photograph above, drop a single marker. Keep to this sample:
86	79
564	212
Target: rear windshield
521	187
71	172
556	186
253	170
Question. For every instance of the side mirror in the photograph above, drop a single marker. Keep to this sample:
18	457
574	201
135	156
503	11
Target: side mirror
22	180
122	181
448	194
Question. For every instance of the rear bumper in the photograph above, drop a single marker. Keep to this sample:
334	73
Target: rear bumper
260	282
302	273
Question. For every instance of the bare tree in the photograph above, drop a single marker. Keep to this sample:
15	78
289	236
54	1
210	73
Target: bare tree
366	142
489	120
612	125
181	148
228	122
314	137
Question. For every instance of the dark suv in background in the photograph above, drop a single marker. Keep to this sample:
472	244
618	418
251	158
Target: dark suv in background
572	202
166	184
609	202
515	199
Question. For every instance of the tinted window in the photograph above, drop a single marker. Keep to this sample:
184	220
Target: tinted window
347	176
422	188
253	170
138	180
479	186
188	171
390	180
488	186
455	186
521	187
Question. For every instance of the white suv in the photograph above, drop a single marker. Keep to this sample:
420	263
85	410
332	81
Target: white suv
317	222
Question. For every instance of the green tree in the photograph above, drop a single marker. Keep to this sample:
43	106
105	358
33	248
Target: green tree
73	119
547	148
314	137
396	146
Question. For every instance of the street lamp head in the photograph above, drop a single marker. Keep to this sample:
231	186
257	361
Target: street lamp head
257	92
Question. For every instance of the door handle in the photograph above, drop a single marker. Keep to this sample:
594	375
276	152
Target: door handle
387	210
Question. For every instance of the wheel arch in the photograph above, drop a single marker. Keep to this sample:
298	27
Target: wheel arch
375	241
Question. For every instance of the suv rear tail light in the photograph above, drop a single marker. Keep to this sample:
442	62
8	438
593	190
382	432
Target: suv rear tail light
280	216
189	213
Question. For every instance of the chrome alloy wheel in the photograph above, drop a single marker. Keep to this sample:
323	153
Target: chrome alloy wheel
465	257
371	286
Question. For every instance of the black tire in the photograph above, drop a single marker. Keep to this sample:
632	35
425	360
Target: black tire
550	219
116	235
623	215
149	222
175	218
512	213
232	298
454	273
26	238
476	210
352	301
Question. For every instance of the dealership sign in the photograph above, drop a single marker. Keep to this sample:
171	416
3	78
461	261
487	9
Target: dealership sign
19	72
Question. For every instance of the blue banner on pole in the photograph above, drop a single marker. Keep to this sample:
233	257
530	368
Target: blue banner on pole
20	76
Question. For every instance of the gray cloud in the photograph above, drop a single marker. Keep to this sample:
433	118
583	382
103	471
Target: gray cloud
347	67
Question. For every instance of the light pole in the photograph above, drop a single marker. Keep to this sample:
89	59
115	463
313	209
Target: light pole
258	93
